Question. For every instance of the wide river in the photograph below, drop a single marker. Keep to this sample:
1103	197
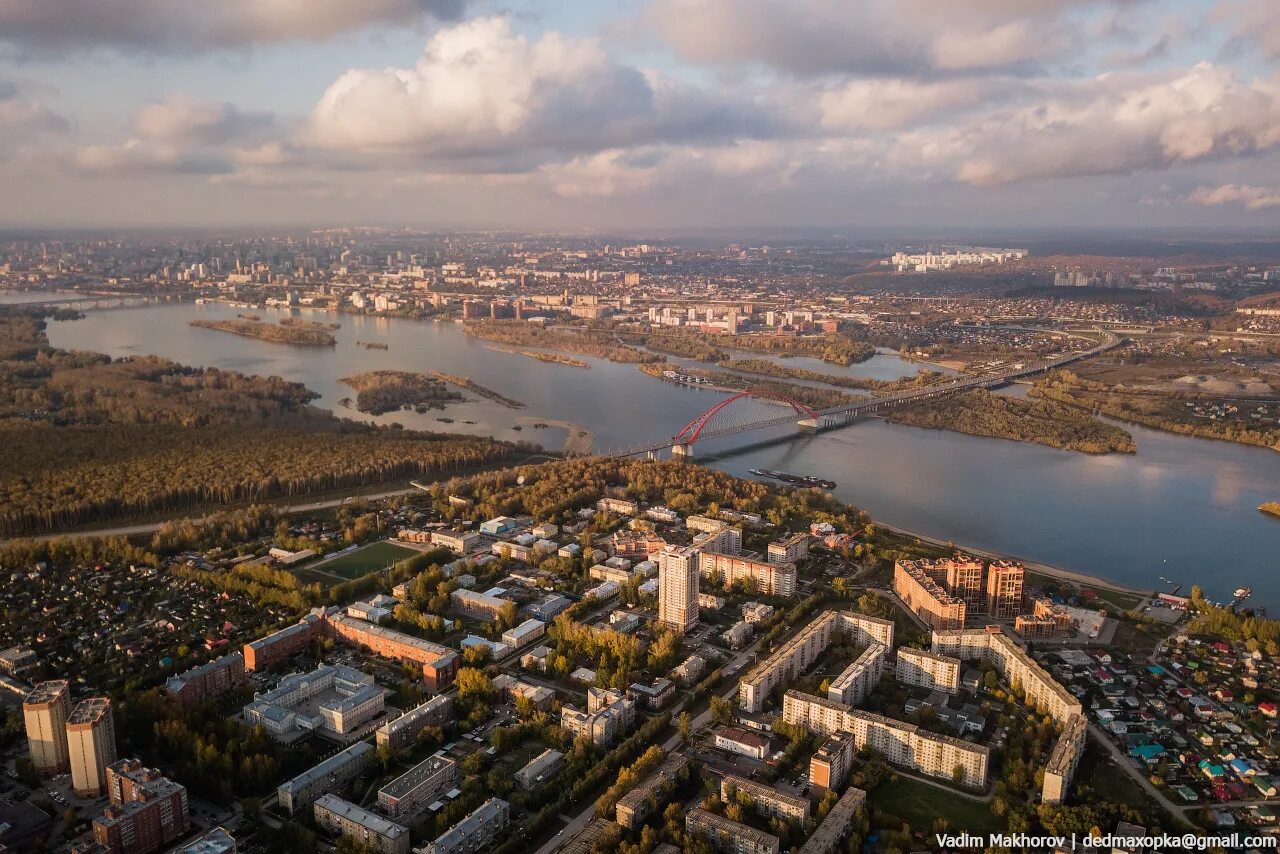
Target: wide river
1181	508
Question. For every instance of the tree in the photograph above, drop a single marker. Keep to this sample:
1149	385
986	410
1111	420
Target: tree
473	683
684	725
721	710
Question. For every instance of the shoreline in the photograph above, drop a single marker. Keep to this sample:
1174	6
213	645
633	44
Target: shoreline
1032	565
574	444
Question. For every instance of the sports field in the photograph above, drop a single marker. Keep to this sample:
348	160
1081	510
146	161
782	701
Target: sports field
362	561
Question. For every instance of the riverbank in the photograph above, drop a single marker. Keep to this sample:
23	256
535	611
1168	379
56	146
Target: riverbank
578	440
553	358
1037	567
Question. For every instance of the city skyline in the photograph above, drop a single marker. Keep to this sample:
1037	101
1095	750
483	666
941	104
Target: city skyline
668	114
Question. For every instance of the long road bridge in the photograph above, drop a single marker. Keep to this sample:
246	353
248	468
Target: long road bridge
752	410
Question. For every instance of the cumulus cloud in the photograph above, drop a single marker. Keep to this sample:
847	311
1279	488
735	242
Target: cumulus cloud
172	26
857	106
878	37
482	90
1247	196
22	114
1252	22
182	134
1116	124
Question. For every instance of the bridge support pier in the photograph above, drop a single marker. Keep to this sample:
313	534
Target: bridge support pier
651	455
682	451
808	425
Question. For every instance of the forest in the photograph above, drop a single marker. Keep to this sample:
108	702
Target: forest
288	331
811	396
379	392
981	413
764	367
91	439
586	342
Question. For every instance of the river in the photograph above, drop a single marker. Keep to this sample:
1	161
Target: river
1182	508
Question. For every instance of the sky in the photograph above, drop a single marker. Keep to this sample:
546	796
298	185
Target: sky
646	114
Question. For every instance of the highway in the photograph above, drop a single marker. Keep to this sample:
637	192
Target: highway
838	416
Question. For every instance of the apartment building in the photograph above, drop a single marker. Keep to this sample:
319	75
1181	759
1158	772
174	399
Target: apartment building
620	506
608	715
899	742
926	597
1046	620
798	654
529	630
541	768
793	549
415	790
770	579
789	661
478	606
829	767
474	832
402	732
147	812
765	800
705	524
827	838
343	818
857	680
333	774
635	806
350	697
928	670
1004	589
91	746
678	587
439	663
45	712
730	836
1014	664
458	542
207	681
1064	759
283	644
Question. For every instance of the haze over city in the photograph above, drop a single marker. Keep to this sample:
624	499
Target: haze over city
660	114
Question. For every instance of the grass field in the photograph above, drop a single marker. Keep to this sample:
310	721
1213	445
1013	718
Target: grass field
919	803
362	561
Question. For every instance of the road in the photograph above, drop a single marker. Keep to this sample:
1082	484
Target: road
152	527
578	822
1175	810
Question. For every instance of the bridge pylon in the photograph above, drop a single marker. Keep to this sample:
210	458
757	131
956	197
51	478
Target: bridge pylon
808	425
682	451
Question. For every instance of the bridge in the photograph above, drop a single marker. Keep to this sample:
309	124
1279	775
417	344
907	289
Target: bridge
753	410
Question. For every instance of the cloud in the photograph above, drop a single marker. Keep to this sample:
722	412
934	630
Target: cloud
1115	124
1247	196
183	26
1254	22
482	92
875	37
858	106
21	115
186	135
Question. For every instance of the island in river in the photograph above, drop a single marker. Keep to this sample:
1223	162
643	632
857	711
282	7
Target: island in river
379	392
1271	508
298	334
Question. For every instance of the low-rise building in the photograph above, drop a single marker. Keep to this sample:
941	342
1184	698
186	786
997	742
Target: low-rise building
608	715
637	804
766	800
742	741
333	774
415	790
541	768
459	542
401	732
474	832
728	835
344	818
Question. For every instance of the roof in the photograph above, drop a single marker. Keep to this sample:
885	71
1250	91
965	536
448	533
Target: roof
375	823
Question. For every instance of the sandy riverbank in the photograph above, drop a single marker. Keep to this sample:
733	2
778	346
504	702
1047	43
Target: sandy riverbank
578	440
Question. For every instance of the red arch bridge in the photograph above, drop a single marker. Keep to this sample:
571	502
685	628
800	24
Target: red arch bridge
760	409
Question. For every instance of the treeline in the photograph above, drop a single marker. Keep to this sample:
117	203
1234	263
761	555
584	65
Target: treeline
299	335
981	413
1219	621
588	342
834	348
60	477
379	392
553	491
817	398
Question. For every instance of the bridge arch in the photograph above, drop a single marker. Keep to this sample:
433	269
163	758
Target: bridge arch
737	407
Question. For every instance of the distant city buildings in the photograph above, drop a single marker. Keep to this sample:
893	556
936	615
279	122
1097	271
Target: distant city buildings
928	262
